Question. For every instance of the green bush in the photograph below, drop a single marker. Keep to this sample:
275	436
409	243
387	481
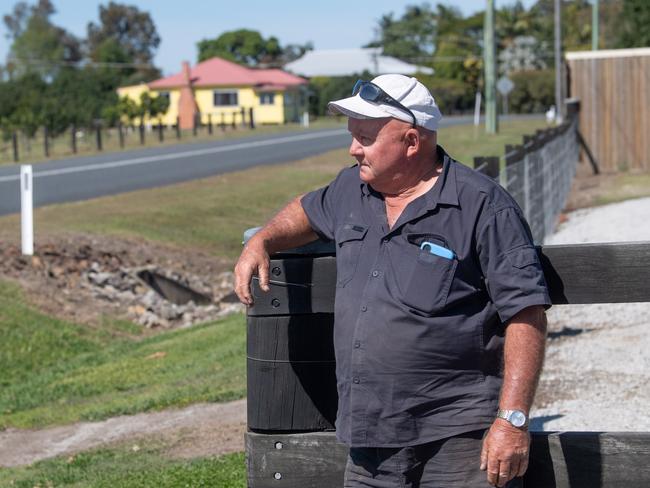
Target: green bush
534	91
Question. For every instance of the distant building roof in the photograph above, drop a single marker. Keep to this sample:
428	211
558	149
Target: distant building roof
219	72
345	62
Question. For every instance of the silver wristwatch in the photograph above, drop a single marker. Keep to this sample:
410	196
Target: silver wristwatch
516	417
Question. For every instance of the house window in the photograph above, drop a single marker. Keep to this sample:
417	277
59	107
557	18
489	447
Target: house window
164	94
267	98
224	98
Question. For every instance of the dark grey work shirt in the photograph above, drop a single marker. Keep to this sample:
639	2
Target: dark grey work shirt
419	337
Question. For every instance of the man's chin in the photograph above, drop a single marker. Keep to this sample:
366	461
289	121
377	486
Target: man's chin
364	173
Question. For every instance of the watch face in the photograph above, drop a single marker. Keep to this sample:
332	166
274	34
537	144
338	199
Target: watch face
517	418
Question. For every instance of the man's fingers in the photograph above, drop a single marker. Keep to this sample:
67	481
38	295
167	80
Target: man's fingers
523	466
484	457
242	290
493	470
263	274
504	473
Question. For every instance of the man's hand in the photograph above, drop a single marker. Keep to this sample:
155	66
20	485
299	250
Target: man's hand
254	260
505	452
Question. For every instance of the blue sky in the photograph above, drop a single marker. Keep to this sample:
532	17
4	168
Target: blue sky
329	24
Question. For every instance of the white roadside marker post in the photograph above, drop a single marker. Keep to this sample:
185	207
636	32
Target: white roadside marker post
26	210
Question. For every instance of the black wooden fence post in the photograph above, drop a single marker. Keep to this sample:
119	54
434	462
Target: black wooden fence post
223	122
14	142
161	137
210	124
46	145
251	120
120	134
178	128
141	129
98	133
234	120
243	117
73	138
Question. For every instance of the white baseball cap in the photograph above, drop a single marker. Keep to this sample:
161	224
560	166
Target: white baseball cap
406	90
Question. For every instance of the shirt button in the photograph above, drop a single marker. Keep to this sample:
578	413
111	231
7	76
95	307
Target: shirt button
355	380
357	345
363	308
375	273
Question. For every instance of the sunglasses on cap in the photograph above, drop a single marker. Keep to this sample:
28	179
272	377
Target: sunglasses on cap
370	92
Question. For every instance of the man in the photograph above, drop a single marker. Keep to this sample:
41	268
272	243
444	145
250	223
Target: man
439	313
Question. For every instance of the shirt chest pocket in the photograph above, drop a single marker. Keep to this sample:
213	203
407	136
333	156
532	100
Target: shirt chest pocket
349	241
423	278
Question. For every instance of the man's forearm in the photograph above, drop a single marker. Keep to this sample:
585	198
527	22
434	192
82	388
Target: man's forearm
505	447
289	228
523	358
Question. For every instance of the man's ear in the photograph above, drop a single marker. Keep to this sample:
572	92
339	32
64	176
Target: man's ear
413	142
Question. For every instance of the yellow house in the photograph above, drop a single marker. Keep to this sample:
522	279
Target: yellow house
219	91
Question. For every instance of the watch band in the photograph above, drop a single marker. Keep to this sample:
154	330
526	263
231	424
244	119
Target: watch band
516	418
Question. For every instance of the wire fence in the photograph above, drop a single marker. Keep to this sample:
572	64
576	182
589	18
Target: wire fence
538	174
19	146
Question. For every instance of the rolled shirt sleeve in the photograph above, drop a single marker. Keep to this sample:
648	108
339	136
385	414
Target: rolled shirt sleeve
510	264
320	205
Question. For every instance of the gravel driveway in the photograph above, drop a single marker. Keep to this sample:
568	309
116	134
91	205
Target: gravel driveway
597	371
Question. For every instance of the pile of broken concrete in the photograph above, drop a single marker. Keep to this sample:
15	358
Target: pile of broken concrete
89	279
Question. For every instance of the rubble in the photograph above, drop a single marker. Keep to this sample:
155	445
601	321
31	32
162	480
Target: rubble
86	279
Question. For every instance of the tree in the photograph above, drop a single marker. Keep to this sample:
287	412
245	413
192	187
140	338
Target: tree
125	35
634	21
20	103
242	46
291	52
411	37
37	44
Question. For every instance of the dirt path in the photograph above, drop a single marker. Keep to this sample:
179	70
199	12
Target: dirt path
200	430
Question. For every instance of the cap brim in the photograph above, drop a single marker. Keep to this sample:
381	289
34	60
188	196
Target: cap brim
357	108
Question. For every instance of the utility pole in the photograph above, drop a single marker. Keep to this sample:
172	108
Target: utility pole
558	63
489	48
594	26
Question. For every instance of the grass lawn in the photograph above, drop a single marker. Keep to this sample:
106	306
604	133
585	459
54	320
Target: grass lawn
126	467
212	214
54	372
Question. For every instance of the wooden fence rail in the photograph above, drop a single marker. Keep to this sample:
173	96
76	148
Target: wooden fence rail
292	387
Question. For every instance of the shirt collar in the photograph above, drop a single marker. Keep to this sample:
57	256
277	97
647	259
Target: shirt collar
444	191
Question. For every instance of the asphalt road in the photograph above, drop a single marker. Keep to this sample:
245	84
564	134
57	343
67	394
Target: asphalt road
108	174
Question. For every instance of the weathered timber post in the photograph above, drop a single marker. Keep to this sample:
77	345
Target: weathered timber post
290	361
14	143
73	138
46	145
210	124
120	134
251	120
98	137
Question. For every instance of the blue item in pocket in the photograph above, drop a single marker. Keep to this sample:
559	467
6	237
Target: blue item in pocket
443	252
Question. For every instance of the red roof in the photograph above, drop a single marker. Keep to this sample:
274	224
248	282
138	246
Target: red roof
217	71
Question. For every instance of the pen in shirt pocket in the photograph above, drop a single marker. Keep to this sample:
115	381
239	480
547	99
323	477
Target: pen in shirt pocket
437	250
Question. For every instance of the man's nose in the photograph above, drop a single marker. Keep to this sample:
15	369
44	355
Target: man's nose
355	148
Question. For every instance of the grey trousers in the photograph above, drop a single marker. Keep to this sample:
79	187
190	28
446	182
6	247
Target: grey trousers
448	463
